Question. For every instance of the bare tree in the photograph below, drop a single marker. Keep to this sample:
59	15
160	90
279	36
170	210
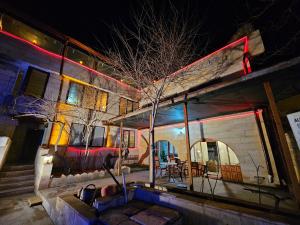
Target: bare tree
47	110
148	55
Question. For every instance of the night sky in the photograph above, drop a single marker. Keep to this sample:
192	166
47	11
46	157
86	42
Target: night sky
90	21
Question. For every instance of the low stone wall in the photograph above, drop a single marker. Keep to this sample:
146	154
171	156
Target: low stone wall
77	178
72	211
69	179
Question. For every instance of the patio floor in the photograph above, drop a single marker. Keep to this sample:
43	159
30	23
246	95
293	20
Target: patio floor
15	210
231	190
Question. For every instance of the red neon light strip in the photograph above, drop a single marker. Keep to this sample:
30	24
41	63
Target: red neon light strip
60	57
94	149
241	40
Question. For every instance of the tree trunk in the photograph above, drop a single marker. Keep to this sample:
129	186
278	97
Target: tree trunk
152	157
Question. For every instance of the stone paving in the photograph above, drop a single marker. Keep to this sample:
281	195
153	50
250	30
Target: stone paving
231	190
16	211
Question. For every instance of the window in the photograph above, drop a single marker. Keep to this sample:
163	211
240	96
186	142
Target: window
127	106
97	137
101	101
129	138
76	135
123	103
89	97
36	82
212	149
74	94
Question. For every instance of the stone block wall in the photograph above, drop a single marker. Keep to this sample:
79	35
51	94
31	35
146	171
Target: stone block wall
238	131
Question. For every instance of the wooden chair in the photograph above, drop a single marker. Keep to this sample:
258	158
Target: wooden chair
175	171
195	168
158	165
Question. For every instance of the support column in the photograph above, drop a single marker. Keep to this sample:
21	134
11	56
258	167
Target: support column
188	146
283	143
120	149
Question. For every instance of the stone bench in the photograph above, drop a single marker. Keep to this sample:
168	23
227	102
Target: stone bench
73	211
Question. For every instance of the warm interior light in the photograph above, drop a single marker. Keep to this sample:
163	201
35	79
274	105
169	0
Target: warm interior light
81	62
34	41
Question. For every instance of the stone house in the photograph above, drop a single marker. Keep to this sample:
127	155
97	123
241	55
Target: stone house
222	113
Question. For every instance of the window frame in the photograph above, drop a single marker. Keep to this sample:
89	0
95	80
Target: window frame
133	104
82	142
92	135
81	97
128	139
99	109
27	78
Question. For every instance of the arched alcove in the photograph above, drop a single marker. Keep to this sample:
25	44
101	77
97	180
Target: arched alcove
165	150
217	156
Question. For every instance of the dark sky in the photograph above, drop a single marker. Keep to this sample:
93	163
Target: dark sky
87	21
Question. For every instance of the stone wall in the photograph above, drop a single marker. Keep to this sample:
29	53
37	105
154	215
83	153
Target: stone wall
239	131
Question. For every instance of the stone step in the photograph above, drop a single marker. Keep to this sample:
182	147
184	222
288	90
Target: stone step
16	173
17	167
12	185
16	179
16	191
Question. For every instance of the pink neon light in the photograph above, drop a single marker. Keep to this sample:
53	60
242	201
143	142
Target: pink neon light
60	57
93	149
228	117
219	118
239	41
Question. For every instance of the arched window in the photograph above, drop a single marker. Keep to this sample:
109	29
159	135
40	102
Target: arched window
217	151
165	150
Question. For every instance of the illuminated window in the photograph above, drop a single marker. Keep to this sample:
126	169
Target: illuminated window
123	103
76	134
129	138
101	103
36	82
97	137
127	106
75	94
89	97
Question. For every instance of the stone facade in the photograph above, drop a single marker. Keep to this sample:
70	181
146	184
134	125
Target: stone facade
238	131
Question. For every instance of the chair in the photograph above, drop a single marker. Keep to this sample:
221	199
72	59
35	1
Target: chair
158	165
195	168
173	171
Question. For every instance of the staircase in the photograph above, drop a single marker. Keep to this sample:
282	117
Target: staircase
16	179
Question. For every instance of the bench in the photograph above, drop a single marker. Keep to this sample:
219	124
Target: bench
277	196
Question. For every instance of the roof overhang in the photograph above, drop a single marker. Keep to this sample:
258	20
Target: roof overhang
222	97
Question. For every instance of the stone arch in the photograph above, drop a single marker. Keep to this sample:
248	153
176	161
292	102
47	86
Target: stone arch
227	154
218	157
165	149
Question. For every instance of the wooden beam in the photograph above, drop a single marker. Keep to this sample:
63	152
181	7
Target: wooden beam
188	146
283	143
